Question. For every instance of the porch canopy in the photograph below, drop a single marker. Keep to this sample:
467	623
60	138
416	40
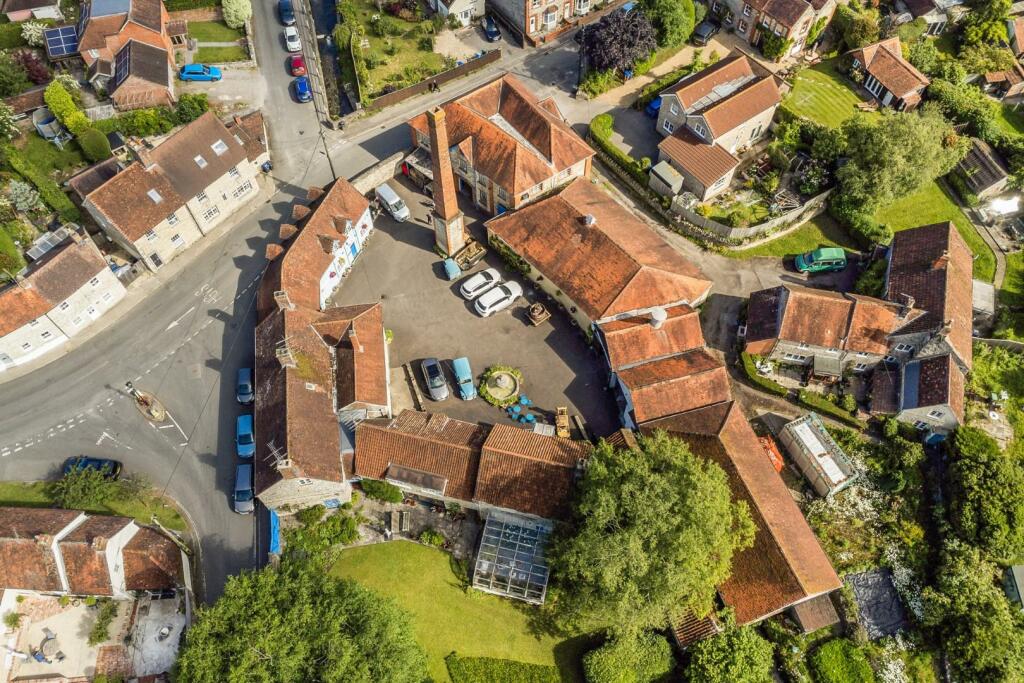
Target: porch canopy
827	366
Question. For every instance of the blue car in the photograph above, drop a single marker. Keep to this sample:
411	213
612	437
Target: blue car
287	14
111	468
491	30
303	93
245	443
199	72
464	379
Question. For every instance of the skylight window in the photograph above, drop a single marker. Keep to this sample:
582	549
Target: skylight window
219	147
155	196
200	161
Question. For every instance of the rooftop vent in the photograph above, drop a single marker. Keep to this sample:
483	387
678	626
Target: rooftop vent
200	161
155	196
658	317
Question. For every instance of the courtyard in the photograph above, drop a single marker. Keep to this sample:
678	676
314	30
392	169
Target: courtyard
429	319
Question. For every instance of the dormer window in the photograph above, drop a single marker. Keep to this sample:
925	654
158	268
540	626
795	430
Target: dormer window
200	161
219	147
155	196
699	129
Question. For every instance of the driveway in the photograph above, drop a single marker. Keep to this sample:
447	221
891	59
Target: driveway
430	319
242	88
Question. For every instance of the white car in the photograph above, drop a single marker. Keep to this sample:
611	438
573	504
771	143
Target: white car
498	298
475	285
291	39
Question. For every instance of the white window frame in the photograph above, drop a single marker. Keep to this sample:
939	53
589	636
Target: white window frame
45	334
903	348
553	18
742	26
673	109
77	321
747	10
242	189
151	234
94	282
921	425
27	346
177	241
795	357
936	414
201	162
699	129
107	296
860	367
211	213
233	172
668	126
33	323
172	219
64	305
201	197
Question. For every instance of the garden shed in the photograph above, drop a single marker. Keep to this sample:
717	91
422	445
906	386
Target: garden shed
511	560
817	454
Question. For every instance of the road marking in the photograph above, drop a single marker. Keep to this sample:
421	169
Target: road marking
17	449
165	427
174	323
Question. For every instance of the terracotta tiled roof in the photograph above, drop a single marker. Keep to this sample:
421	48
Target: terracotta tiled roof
884	60
26	101
939	381
26	536
675	384
118	199
934	265
428	442
918	8
253	133
786	12
299	269
512	138
705	162
151	562
698	85
53	278
786	564
815	316
85	557
743	105
617	265
873	321
1017	29
356	333
528	472
635	340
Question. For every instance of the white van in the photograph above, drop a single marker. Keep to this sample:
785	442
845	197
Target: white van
392	203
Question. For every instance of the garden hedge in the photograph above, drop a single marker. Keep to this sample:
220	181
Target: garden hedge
642	659
10	36
761	382
492	670
600	133
94	144
819	403
382	490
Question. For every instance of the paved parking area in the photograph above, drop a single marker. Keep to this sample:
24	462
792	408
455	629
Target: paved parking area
429	318
243	88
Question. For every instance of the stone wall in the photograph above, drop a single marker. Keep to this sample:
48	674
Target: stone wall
814	206
381	172
441	78
198	14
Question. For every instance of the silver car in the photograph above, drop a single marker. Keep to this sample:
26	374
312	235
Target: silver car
475	285
291	39
498	298
433	375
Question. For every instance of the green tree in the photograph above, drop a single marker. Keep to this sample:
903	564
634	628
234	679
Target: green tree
981	633
618	41
640	658
925	57
987	495
978	59
13	79
94	144
737	655
986	22
83	489
296	623
191	106
673	20
856	29
236	12
654	533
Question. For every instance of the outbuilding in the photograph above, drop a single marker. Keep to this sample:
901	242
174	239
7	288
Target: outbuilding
817	454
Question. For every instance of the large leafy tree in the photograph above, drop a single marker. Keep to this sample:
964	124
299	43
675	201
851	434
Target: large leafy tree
672	19
297	623
981	633
618	41
654	533
987	495
83	489
986	22
738	655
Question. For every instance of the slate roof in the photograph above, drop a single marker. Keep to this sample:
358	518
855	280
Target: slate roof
933	264
510	136
27	101
175	175
884	60
885	389
675	384
146	62
618	265
26	558
786	564
20	5
982	167
93	177
61	272
634	340
704	161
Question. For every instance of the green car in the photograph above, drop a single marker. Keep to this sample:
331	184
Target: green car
824	260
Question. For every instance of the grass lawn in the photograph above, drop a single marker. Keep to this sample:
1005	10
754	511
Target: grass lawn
11	255
213	32
48	158
1010	121
38	494
221	55
447	618
1011	319
821	231
932	205
759	213
946	43
822	94
409	64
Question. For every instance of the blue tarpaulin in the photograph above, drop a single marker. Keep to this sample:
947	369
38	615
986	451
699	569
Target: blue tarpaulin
275	533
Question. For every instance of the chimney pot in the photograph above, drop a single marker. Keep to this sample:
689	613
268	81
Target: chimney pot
273	251
314	193
287	231
299	212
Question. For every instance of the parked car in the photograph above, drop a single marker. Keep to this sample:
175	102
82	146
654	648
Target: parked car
242	496
303	93
498	298
705	31
110	468
297	65
243	386
291	39
823	260
285	11
433	375
491	31
464	379
200	72
475	285
245	443
392	203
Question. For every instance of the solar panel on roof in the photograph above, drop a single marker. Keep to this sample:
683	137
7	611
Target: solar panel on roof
61	41
121	64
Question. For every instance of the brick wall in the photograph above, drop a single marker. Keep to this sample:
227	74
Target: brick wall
199	14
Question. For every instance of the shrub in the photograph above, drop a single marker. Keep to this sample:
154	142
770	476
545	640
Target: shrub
849	403
63	106
639	659
432	537
739	655
477	669
100	631
426	43
22	233
236	12
600	133
598	81
34	67
191	106
840	661
12	620
10	36
310	515
32	33
13	80
382	490
760	381
24	197
94	145
960	185
83	489
773	47
8	124
872	281
320	536
51	194
820	404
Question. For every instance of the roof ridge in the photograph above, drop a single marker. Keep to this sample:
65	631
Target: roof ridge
754	82
419	435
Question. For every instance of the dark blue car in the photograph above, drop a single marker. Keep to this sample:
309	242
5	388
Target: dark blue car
303	93
110	468
284	8
491	31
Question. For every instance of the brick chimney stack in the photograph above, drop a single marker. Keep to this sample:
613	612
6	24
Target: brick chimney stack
449	223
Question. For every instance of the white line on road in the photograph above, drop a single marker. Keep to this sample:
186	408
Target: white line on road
165	427
17	449
174	323
183	434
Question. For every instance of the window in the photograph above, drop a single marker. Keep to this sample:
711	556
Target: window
742	26
698	128
156	260
890	359
91	311
77	321
26	346
935	414
903	348
502	195
46	334
856	63
803	345
64	306
778	32
667	126
201	197
94	282
795	357
177	241
860	367
211	213
200	161
747	9
674	109
535	4
242	189
756	133
107	296
715	6
550	17
155	196
861	354
171	220
233	172
305	482
151	234
921	425
219	147
33	323
533	23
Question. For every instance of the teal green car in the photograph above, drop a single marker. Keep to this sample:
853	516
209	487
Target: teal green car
823	260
